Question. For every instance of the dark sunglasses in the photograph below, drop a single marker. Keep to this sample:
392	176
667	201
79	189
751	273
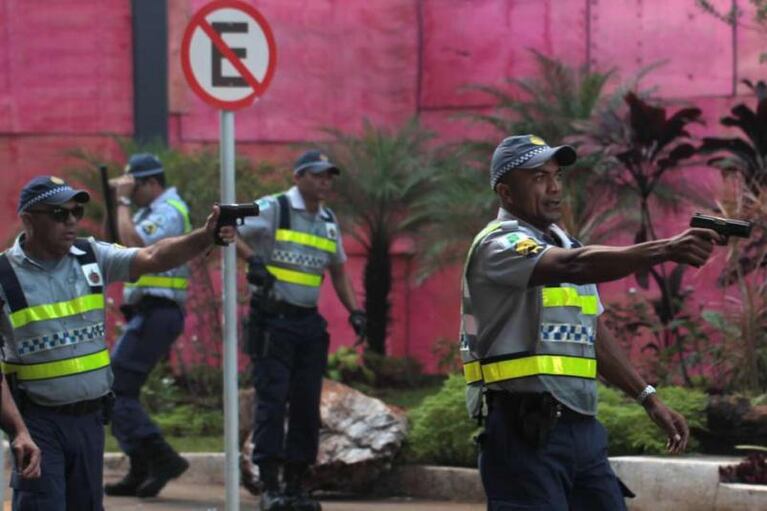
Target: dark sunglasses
60	214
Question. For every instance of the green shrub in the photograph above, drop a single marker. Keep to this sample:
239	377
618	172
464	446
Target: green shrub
441	431
630	429
344	365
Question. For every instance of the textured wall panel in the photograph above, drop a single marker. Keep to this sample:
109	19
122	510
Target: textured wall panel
485	41
631	34
751	43
67	67
338	62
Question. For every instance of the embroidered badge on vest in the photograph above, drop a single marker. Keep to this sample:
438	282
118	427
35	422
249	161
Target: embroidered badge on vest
330	228
93	274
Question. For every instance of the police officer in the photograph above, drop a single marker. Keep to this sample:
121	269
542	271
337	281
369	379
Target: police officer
289	246
532	338
52	289
153	309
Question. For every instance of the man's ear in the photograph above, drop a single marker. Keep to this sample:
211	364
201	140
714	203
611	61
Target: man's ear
26	221
503	192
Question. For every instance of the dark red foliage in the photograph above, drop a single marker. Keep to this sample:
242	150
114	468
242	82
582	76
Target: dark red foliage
753	470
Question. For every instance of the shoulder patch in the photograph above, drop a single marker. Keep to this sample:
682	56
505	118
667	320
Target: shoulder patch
523	244
149	228
528	247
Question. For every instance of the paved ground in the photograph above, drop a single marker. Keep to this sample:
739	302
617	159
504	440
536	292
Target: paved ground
176	497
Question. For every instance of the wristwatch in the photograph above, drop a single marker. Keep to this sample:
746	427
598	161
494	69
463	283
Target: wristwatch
124	201
646	392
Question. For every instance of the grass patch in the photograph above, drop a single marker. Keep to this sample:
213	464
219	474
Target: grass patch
180	444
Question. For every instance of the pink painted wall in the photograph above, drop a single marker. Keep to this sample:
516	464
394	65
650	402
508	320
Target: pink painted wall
65	82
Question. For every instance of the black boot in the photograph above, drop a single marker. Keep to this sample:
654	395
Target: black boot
136	475
272	498
164	464
299	499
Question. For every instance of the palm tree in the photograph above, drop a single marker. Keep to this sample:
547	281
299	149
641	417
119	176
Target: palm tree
552	106
385	174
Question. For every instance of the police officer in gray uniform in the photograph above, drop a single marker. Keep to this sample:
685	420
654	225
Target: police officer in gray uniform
153	309
52	294
533	343
289	246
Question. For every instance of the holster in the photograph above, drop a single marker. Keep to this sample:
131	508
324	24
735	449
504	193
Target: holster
260	343
533	416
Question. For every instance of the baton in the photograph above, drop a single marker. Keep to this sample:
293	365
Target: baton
108	206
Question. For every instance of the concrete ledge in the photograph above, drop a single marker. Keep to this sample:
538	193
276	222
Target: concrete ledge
661	483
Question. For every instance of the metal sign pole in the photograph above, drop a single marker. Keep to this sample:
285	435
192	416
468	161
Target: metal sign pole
229	300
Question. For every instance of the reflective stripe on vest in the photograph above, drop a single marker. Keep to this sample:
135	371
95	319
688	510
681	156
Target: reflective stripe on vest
159	281
57	310
310	240
569	297
556	365
181	208
58	368
295	277
472	372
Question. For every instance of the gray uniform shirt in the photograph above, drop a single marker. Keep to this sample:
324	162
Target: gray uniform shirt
154	222
258	232
60	281
506	309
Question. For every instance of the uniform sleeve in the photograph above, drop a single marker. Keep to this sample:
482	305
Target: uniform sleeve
258	228
508	258
162	222
339	257
114	260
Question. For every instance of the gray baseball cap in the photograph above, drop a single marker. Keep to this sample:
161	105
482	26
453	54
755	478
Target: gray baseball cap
526	152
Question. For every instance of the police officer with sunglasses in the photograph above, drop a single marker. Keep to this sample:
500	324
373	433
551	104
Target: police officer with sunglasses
52	316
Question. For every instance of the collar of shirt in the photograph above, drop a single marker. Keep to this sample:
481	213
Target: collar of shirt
550	234
17	255
168	193
297	201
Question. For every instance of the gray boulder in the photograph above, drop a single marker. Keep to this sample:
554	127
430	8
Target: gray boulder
359	438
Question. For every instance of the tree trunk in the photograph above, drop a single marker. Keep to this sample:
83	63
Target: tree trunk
378	277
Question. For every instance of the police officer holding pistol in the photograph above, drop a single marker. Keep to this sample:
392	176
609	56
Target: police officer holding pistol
288	248
153	309
52	291
533	342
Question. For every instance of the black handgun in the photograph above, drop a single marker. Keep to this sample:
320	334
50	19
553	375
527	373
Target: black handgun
234	215
724	226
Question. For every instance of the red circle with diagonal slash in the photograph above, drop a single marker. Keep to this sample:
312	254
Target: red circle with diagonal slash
199	21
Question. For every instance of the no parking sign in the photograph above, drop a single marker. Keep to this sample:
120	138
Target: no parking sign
228	54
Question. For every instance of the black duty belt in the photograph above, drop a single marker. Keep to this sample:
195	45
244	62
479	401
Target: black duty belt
78	408
517	401
289	310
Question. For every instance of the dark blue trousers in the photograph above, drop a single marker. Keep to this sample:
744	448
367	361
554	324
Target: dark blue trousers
287	376
570	472
146	340
72	462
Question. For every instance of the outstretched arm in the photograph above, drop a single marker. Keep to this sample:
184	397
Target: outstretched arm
171	252
614	366
595	263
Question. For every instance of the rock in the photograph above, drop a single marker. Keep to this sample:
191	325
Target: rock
359	438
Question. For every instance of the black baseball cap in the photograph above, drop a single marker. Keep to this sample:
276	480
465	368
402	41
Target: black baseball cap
526	152
49	190
144	165
315	162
